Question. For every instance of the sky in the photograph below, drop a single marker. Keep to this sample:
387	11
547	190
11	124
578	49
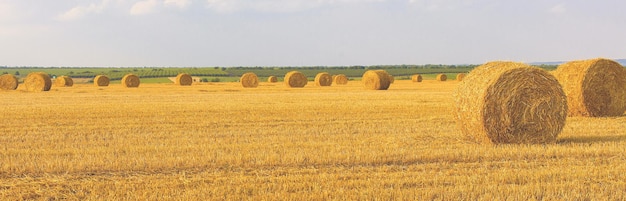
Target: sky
206	33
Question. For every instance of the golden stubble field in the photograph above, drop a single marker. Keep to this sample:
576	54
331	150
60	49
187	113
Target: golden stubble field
223	142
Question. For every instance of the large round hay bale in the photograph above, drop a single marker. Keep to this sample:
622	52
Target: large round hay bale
63	81
130	80
508	102
416	78
101	81
594	88
460	76
323	79
295	79
38	81
340	79
183	79
249	80
8	82
272	79
442	77
376	80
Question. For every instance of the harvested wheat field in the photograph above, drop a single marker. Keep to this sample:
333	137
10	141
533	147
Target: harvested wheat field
219	141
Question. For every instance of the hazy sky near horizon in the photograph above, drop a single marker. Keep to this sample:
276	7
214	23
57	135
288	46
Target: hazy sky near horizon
180	33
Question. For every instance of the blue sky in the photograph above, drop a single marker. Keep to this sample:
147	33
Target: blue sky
180	33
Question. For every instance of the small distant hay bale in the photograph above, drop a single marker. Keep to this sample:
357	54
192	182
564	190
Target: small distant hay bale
101	81
295	79
8	82
460	76
38	81
63	81
323	79
376	80
442	77
391	79
416	78
184	79
130	80
508	102
594	88
340	79
249	80
272	79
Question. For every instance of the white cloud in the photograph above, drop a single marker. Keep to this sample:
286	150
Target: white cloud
177	3
144	7
558	9
80	11
276	5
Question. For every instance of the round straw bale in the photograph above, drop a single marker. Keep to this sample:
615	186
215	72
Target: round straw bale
460	76
183	79
416	78
130	80
340	79
323	79
295	79
442	77
101	81
63	81
391	79
594	88
272	79
8	82
376	80
38	81
249	80
508	102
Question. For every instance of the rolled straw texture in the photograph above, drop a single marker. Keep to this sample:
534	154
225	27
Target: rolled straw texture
508	102
101	81
376	80
8	82
295	79
323	79
130	80
594	88
340	79
249	80
183	79
38	81
416	78
272	79
63	81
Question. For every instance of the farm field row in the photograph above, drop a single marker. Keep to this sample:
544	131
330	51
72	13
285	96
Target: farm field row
214	141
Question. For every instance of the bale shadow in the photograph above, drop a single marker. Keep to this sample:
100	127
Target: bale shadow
591	139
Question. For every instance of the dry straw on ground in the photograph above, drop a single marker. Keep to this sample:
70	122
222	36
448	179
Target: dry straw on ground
340	79
8	82
38	81
63	81
184	79
101	81
508	102
295	79
442	77
460	76
272	79
594	88
323	79
376	80
130	80
416	78
249	80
